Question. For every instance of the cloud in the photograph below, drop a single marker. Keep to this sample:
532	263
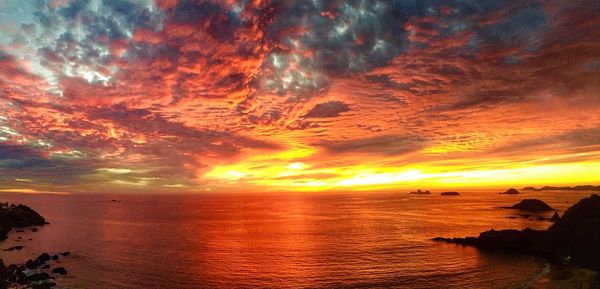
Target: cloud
327	109
171	89
384	145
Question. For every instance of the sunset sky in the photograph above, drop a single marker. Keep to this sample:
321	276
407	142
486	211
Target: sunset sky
227	96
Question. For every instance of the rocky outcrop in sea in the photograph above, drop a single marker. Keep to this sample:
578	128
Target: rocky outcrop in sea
574	238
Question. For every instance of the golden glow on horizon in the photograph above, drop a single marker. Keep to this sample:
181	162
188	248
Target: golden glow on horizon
287	174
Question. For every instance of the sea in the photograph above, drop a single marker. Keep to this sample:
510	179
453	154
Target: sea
288	240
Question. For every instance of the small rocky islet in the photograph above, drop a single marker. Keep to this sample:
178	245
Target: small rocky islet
573	240
450	194
532	205
419	192
34	273
511	191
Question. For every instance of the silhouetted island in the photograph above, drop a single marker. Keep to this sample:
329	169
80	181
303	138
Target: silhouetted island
450	194
510	191
573	239
419	192
575	188
532	205
32	272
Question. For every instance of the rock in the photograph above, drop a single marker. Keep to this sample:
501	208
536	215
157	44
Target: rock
510	191
60	271
555	217
419	192
64	254
4	275
22	216
4	231
38	277
39	261
577	233
44	285
45	257
574	237
532	205
18	216
14	248
450	194
55	257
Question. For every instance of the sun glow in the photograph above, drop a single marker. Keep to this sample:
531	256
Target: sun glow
279	174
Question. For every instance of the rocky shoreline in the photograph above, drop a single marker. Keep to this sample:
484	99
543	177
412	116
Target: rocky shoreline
573	241
38	273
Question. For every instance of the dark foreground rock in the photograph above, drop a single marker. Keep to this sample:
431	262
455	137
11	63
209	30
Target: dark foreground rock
450	194
34	273
574	238
31	274
532	205
555	218
510	191
60	271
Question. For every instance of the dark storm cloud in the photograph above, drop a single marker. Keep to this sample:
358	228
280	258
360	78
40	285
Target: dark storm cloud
327	109
24	161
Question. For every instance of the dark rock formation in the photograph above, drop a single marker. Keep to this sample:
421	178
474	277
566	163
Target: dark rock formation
577	233
60	271
18	216
510	191
38	277
419	192
575	237
33	273
555	217
39	261
45	285
13	248
4	275
532	205
450	194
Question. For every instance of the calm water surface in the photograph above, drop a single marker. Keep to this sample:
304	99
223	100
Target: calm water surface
353	240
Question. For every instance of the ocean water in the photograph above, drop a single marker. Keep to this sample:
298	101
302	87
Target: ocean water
353	240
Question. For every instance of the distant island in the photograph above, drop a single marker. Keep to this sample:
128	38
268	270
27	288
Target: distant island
511	191
450	194
575	188
419	192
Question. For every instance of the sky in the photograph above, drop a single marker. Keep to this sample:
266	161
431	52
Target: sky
269	96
